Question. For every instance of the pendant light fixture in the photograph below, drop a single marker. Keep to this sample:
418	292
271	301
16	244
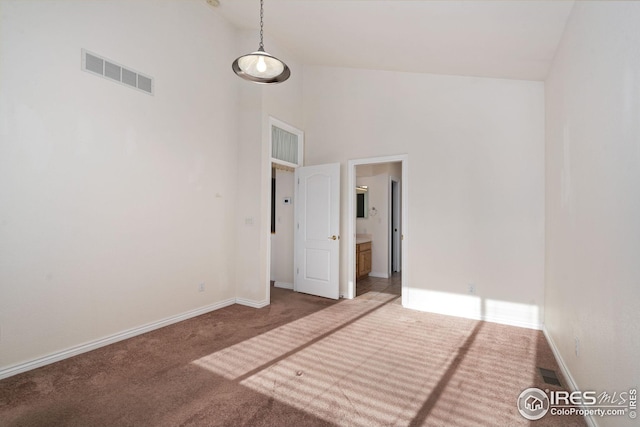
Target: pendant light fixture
259	66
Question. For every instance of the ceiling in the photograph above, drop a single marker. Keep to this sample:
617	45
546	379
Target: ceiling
497	38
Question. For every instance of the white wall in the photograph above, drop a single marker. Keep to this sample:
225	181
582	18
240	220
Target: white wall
476	179
593	198
249	187
282	239
109	209
257	104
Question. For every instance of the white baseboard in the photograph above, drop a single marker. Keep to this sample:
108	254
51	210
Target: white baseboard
378	274
471	307
283	285
93	345
565	371
500	320
513	322
252	303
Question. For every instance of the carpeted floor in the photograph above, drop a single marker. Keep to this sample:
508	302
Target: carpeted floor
302	361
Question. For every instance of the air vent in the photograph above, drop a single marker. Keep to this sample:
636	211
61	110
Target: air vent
549	376
98	65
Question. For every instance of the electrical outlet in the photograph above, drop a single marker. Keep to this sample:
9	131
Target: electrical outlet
472	289
201	287
577	346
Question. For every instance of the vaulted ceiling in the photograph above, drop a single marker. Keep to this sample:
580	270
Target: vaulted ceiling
498	38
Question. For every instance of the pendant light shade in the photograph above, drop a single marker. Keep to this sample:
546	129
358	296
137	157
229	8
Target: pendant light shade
259	66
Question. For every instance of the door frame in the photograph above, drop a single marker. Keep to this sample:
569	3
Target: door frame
351	223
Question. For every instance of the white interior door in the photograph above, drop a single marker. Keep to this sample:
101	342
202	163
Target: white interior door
317	238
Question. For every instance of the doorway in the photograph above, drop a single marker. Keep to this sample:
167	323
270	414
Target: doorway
284	156
282	226
385	222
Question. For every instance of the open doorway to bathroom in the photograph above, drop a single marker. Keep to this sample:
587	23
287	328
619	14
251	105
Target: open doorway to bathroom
376	225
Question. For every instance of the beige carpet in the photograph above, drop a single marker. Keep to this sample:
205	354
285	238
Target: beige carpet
302	361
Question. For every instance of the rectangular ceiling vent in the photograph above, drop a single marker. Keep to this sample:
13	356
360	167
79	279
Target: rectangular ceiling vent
103	67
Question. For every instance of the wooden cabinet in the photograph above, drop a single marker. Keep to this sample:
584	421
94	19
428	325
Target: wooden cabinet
363	260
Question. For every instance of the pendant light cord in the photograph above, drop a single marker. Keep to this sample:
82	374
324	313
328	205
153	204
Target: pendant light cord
261	47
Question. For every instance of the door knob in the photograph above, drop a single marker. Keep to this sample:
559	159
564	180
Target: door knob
334	237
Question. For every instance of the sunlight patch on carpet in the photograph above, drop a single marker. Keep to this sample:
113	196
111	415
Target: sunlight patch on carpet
387	362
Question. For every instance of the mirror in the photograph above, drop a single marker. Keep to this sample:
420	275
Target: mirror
362	201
